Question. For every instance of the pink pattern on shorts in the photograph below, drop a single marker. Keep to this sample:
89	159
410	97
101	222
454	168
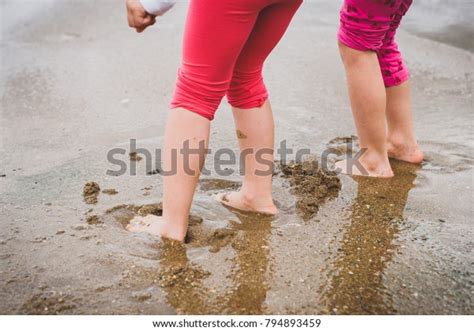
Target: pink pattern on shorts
371	25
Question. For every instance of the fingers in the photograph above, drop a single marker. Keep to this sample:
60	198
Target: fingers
141	24
137	17
149	20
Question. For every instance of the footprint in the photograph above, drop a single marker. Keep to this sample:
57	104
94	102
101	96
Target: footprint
445	158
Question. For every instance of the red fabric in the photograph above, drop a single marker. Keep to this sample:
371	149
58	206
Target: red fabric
225	46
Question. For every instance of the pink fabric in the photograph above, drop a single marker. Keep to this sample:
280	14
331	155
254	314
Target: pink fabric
226	43
371	25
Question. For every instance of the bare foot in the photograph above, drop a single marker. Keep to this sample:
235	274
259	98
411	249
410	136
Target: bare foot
154	225
151	224
238	201
405	152
368	170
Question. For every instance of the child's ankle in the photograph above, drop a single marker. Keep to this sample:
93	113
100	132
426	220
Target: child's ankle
375	162
396	140
256	200
404	149
175	230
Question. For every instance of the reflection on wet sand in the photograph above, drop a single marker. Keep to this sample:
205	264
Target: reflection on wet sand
181	280
183	283
224	266
367	246
251	270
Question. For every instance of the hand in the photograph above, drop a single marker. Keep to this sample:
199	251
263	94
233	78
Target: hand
138	18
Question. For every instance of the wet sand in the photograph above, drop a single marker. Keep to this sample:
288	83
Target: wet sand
447	22
70	93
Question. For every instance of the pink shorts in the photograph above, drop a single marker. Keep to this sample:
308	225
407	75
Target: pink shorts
225	46
370	25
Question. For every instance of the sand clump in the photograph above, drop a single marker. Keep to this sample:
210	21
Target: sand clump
49	303
110	191
134	156
311	185
90	192
154	209
93	220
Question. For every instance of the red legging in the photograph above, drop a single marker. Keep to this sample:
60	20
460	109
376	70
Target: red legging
225	45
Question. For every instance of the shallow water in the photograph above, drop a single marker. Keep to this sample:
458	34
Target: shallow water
402	245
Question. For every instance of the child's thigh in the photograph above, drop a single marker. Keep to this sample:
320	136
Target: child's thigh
214	36
268	30
395	21
215	33
247	89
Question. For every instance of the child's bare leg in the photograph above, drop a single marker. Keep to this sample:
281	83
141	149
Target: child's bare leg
183	126
368	101
401	140
255	127
255	131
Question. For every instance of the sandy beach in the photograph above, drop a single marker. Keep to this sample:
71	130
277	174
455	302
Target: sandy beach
77	82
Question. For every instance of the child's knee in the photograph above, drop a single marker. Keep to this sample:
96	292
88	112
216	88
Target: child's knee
392	66
345	51
394	72
247	89
197	95
353	57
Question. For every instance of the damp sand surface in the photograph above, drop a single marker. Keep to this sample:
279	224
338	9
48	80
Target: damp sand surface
340	245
